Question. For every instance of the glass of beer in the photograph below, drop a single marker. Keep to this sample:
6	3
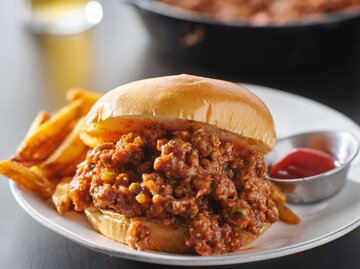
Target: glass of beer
62	17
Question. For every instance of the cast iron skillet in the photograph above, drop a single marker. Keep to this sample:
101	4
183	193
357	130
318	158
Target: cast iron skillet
200	39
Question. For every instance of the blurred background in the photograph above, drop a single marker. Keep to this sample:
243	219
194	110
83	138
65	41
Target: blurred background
48	46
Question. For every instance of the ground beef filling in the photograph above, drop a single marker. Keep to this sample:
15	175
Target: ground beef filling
180	177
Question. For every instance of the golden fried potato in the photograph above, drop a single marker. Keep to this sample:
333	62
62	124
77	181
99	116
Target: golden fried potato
277	195
41	144
77	93
67	153
27	178
52	149
89	98
40	118
53	173
287	215
61	198
70	169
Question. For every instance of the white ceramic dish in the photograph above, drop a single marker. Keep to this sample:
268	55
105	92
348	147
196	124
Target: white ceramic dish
321	222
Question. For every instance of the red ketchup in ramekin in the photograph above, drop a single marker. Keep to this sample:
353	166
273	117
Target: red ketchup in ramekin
302	162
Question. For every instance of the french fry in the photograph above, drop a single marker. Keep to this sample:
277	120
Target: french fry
51	150
89	98
69	151
42	172
40	118
71	168
287	215
53	173
27	178
41	144
77	93
61	198
277	195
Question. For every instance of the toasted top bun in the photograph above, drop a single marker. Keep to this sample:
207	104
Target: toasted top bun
161	237
175	102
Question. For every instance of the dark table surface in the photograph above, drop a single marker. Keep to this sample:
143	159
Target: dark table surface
35	71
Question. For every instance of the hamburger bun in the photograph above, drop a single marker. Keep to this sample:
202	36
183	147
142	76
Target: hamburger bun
228	110
161	237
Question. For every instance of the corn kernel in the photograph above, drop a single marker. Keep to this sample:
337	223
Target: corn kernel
108	176
142	198
135	187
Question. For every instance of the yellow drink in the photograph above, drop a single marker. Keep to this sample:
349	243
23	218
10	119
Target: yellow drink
57	7
67	62
64	16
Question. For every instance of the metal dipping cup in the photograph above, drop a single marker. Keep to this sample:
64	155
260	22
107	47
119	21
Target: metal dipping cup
341	145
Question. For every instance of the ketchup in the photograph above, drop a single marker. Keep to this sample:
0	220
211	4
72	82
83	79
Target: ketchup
302	162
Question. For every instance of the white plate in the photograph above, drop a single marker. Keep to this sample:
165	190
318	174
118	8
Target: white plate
321	222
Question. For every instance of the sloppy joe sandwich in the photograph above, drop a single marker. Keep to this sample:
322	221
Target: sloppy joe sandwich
177	165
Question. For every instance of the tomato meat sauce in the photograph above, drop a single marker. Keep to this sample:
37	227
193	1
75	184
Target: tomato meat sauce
214	188
302	162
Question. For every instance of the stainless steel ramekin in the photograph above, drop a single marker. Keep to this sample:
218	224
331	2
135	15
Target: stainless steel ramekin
341	145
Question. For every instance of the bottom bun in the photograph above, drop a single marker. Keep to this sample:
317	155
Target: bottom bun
116	226
160	238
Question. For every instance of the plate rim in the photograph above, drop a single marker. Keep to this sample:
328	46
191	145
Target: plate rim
185	260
